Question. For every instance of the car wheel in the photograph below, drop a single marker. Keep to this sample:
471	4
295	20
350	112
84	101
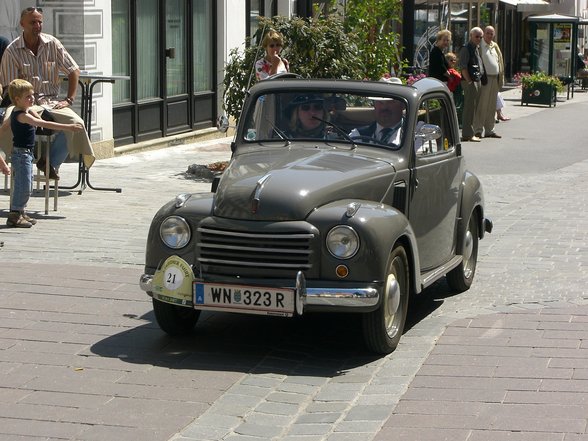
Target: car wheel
175	320
383	327
461	277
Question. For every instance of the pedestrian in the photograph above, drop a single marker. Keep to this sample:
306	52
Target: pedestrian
3	166
470	64
500	116
23	122
3	45
493	63
454	78
454	83
39	58
272	63
438	66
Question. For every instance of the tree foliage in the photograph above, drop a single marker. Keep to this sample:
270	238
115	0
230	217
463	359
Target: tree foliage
375	23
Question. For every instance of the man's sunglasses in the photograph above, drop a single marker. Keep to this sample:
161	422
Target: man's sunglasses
30	10
307	107
275	45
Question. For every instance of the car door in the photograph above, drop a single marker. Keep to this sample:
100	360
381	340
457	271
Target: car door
435	185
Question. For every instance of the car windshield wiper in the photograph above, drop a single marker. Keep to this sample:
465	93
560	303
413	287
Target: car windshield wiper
279	132
339	130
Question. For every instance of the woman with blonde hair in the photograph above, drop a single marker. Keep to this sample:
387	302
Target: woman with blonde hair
308	114
272	63
438	66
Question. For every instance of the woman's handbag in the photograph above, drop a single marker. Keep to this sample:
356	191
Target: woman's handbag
484	79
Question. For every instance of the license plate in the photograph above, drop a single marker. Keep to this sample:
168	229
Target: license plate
246	299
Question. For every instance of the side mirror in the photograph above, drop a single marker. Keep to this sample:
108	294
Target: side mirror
222	123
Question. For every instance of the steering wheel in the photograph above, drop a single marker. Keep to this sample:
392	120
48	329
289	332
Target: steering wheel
366	138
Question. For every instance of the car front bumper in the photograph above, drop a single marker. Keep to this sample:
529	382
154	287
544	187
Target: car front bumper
320	298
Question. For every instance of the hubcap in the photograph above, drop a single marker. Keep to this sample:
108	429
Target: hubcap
392	303
468	250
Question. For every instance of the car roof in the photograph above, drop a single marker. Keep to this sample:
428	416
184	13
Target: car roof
376	88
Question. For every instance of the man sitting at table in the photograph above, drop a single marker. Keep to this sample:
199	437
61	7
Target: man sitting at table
39	58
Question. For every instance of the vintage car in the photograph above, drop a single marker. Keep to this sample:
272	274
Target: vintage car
330	216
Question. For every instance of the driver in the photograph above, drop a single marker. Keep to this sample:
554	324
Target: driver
387	128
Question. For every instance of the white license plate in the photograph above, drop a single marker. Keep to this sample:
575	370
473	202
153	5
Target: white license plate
241	298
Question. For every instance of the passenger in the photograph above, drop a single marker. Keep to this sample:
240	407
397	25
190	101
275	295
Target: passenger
307	114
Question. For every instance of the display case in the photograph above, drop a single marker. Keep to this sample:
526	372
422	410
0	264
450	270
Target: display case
553	47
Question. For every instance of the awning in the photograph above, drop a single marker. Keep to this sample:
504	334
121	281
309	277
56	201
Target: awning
528	5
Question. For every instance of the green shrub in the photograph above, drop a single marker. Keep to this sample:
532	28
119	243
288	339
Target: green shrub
530	80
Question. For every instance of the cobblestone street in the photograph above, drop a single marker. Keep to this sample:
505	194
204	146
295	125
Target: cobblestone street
82	358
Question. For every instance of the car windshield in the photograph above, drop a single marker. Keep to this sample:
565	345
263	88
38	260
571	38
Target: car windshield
338	117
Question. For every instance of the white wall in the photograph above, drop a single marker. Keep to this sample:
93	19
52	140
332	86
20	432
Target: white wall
102	111
231	33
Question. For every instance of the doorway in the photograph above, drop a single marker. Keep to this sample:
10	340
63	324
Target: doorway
170	60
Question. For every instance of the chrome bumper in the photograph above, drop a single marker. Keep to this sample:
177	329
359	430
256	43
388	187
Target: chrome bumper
335	297
146	283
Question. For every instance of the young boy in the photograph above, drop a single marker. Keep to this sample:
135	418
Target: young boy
23	121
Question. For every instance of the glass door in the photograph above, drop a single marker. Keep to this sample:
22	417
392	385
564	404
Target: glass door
176	94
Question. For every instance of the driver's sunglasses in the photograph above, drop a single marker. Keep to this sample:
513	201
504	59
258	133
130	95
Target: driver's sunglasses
307	107
33	9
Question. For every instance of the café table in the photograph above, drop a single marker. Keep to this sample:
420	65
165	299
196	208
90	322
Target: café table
87	82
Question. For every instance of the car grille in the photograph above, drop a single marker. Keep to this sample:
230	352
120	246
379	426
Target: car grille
224	251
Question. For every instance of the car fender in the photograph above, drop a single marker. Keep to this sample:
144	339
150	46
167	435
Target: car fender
472	199
193	209
380	228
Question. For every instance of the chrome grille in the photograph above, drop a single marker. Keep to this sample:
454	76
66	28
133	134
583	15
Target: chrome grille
272	250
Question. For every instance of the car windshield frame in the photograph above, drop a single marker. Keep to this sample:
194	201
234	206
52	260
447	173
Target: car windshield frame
335	117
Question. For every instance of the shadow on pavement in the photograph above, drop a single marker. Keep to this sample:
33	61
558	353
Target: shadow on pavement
314	344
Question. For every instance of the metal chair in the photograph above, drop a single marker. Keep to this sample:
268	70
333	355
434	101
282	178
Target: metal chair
43	139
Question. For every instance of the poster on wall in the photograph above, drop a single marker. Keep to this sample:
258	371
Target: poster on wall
562	32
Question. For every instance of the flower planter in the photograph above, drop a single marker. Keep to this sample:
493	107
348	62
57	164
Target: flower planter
540	93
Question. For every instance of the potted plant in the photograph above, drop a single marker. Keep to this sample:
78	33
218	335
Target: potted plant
539	88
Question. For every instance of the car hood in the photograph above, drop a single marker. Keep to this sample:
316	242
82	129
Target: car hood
288	184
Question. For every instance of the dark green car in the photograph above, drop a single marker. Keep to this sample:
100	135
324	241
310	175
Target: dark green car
346	196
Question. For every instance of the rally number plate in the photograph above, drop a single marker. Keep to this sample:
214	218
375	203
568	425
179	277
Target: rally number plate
246	299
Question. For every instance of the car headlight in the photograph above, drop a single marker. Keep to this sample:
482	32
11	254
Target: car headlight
175	232
342	242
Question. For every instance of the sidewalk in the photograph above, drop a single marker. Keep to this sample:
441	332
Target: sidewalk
519	375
